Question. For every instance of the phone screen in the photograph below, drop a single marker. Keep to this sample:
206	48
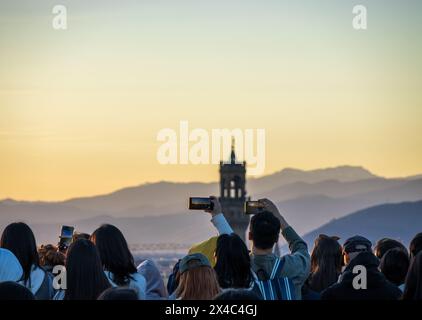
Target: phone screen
67	232
198	203
253	207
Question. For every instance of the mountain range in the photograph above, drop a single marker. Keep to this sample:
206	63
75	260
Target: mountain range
399	221
157	212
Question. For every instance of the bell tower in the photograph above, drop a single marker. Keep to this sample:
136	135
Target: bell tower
233	193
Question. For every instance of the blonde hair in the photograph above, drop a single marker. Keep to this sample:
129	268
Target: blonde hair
199	283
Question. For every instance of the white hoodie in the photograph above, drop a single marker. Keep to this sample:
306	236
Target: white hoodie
137	282
36	279
10	268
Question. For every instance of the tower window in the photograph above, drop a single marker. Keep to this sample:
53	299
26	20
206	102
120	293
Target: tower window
232	193
232	189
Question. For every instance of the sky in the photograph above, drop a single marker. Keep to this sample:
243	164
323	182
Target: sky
80	108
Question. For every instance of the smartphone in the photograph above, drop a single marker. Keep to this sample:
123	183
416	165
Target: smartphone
66	236
197	203
253	207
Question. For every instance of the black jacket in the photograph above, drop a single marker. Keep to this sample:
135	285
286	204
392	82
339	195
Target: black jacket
378	287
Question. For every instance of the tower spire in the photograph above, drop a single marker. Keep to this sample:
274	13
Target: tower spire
233	154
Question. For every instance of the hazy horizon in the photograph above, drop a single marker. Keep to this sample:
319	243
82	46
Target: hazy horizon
199	181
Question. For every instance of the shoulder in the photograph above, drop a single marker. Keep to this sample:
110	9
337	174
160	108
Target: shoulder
139	283
394	291
330	292
138	278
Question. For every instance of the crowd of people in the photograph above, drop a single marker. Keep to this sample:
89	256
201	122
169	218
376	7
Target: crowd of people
100	266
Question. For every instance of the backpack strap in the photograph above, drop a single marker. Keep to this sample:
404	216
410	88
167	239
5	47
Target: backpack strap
278	265
257	285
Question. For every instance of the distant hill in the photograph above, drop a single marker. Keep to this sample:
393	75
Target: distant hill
289	176
183	228
399	221
152	198
331	188
308	199
144	200
408	191
310	211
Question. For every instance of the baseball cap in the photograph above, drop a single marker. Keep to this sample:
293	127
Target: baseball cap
199	261
357	244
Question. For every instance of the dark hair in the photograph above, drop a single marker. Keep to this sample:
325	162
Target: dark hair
10	290
265	230
385	244
238	294
19	238
85	274
394	265
326	263
80	235
415	245
114	252
50	256
118	293
413	284
233	262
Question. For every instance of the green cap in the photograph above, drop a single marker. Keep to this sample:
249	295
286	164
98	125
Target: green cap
200	261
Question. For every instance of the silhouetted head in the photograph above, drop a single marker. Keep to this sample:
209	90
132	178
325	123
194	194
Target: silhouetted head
394	265
114	252
85	274
233	263
118	293
326	262
10	290
415	245
264	230
19	239
385	244
238	294
413	284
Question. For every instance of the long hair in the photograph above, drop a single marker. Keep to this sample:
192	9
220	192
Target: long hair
233	265
199	283
85	275
114	252
19	238
326	263
415	245
413	284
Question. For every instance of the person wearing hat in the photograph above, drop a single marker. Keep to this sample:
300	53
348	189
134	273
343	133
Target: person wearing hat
361	278
353	246
198	280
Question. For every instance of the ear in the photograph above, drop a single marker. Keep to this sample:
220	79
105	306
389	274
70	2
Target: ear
250	235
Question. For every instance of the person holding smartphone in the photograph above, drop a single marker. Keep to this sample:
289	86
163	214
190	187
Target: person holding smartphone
226	252
264	231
